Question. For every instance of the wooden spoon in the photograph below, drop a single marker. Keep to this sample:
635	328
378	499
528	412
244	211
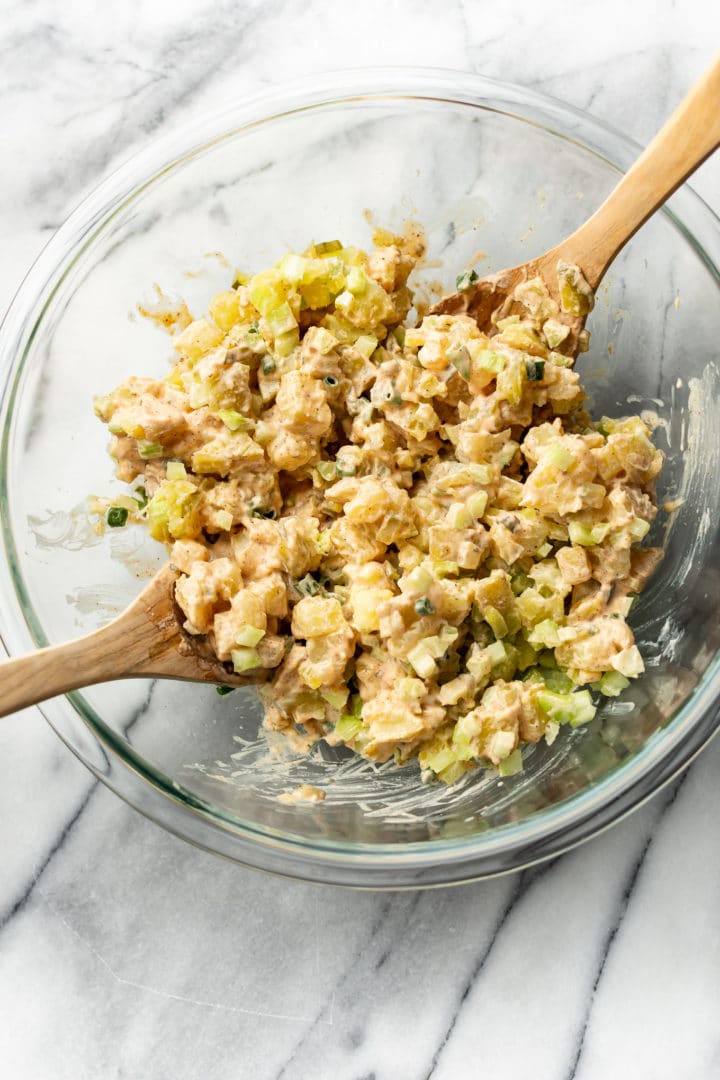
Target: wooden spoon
148	641
690	135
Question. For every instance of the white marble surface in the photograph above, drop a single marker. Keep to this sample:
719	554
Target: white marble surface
125	953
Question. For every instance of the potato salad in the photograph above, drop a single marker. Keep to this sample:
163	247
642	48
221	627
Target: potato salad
407	530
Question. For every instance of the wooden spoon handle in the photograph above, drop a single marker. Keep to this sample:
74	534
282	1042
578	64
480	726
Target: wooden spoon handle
25	680
685	140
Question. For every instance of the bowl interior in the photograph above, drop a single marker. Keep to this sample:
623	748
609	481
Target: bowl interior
491	187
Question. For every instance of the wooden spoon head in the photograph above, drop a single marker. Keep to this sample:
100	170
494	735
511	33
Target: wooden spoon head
153	627
490	298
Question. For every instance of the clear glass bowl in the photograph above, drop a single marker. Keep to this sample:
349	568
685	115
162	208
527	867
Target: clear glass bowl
486	168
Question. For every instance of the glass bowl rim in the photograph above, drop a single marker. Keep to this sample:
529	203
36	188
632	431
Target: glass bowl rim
535	838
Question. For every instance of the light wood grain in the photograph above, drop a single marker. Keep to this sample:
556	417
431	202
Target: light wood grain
690	135
146	641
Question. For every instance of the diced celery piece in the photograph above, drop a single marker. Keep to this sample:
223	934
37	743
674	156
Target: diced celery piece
520	582
411	689
490	361
357	281
497	653
249	636
267	291
328	470
233	420
445	568
244	659
512	764
348	726
459	516
496	622
544	550
587	535
526	655
477	504
639	528
344	299
552	730
555	332
422	661
281	320
558	456
285	343
481	474
447	635
148	451
573	709
335	698
172	511
545	633
175	470
557	681
612	683
292	267
418	580
433	646
366	345
437	757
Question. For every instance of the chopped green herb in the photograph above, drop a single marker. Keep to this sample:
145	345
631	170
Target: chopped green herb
535	370
117	516
223	690
423	606
464	281
308	586
268	365
141	497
